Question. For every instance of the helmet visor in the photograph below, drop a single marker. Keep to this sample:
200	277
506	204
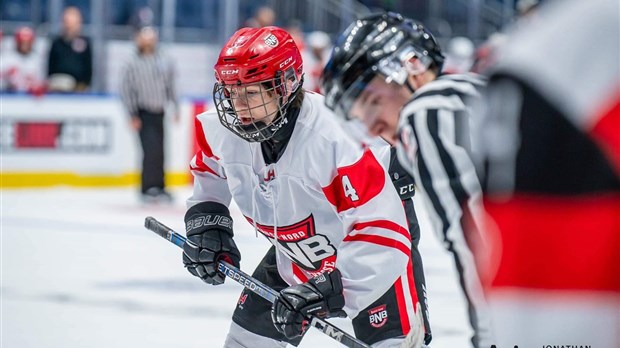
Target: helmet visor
394	68
409	60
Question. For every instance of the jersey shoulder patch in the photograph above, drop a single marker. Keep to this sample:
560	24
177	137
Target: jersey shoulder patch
356	184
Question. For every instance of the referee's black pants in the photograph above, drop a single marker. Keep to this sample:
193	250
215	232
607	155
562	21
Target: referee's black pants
152	141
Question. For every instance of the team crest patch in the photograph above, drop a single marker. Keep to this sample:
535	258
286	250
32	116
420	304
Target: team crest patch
271	40
311	251
378	316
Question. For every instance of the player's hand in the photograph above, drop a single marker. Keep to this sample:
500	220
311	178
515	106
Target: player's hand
320	297
136	123
209	240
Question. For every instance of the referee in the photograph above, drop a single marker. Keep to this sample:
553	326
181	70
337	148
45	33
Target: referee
146	90
386	71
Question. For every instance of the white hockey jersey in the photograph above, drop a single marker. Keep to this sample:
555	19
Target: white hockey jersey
325	203
21	73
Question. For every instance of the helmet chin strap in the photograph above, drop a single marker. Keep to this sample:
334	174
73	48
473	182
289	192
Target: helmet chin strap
409	86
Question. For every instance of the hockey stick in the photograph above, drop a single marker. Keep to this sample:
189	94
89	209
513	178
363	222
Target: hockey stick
254	285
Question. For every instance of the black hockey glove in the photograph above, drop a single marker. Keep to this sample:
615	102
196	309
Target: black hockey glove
320	297
208	226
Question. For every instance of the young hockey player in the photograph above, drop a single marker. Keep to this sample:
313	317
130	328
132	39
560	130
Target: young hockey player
386	71
338	228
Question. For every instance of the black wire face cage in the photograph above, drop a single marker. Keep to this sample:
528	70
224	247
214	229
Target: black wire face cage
255	111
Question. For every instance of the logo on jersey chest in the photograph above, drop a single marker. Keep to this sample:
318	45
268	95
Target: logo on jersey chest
309	250
269	174
378	316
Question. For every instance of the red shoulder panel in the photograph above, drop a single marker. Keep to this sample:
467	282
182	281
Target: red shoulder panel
356	184
202	141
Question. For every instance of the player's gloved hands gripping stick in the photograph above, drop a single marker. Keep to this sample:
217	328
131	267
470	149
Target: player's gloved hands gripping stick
320	297
208	226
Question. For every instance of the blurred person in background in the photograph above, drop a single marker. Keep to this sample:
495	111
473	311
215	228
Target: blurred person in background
549	151
22	69
385	70
486	54
295	29
70	64
459	55
263	17
147	89
319	44
527	7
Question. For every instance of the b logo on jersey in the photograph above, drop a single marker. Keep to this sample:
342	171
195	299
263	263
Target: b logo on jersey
311	251
378	316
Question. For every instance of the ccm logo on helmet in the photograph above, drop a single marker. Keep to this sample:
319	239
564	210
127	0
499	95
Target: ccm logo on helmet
288	60
229	72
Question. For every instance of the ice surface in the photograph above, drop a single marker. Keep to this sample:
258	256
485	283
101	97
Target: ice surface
80	270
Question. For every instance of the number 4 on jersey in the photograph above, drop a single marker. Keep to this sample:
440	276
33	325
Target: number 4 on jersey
349	191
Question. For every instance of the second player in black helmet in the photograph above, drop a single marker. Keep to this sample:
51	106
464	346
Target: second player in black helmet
385	71
400	50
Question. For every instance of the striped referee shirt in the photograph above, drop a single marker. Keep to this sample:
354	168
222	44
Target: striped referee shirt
148	84
435	148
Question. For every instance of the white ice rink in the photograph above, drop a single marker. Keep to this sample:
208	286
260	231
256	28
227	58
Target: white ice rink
80	270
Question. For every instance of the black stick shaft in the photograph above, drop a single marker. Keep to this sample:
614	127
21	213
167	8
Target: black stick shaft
254	285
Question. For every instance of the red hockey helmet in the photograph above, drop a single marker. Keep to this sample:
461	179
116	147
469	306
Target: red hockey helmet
258	74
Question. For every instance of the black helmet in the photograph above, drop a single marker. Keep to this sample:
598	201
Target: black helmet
377	44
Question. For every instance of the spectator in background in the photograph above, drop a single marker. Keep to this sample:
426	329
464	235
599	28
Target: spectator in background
527	7
549	149
459	56
486	53
148	87
294	28
265	16
319	44
22	68
70	58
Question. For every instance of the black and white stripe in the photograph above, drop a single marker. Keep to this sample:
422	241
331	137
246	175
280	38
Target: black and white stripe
148	84
436	121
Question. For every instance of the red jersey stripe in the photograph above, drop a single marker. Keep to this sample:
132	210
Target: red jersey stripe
555	243
201	166
379	240
402	306
388	225
297	272
411	282
202	141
